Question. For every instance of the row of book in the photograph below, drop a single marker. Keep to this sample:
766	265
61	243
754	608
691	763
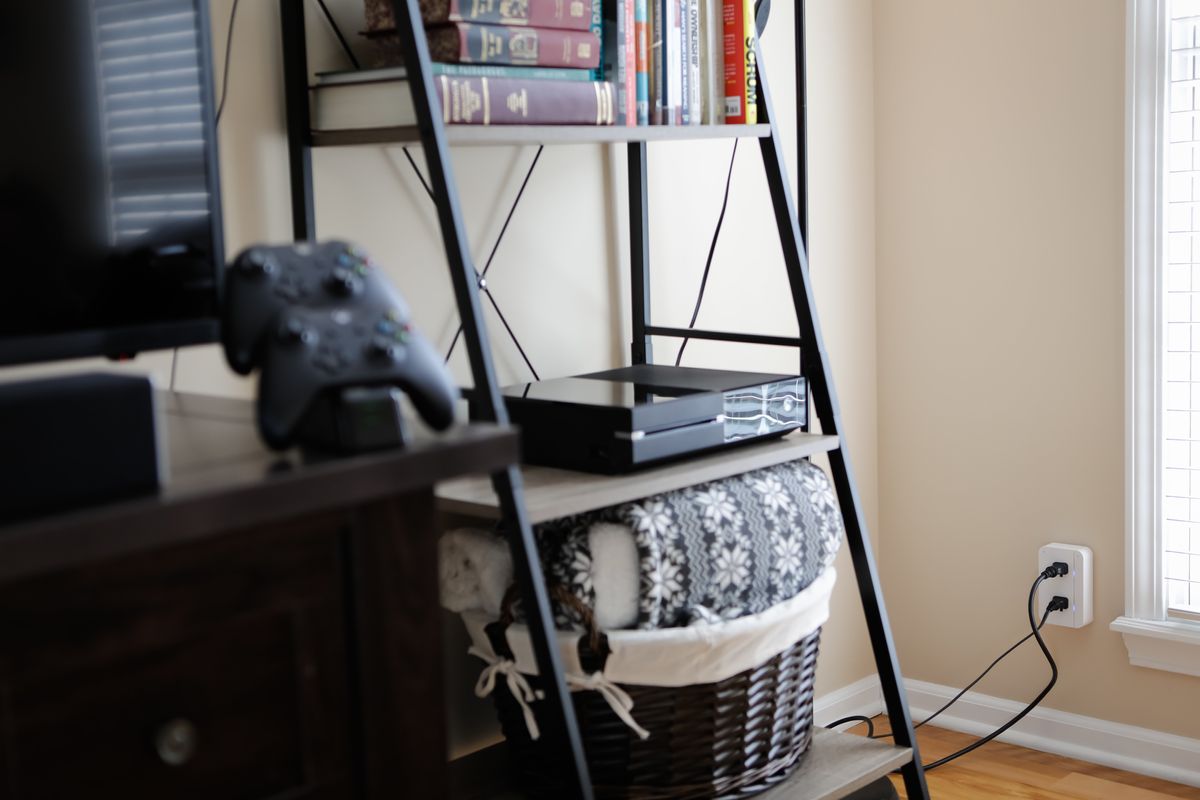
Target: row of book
583	62
684	62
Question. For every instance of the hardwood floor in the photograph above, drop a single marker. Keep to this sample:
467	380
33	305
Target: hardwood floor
1000	770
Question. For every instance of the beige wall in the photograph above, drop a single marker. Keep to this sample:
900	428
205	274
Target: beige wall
561	274
999	144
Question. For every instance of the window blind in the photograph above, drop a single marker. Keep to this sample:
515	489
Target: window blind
152	114
1181	304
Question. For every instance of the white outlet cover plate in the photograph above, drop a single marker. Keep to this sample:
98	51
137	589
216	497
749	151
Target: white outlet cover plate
1076	585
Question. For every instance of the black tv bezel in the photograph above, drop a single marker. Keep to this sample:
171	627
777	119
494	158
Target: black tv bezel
127	341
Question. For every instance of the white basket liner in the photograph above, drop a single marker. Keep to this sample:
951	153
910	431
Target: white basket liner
682	656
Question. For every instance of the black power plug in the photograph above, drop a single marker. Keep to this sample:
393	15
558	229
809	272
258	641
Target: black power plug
1058	603
1056	570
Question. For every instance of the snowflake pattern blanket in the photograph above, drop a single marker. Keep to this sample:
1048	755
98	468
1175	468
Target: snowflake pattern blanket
710	552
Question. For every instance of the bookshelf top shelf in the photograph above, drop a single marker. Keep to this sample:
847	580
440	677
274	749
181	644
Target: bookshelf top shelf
553	493
471	135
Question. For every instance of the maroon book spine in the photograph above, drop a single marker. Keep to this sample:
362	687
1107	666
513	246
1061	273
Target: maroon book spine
501	101
568	14
468	43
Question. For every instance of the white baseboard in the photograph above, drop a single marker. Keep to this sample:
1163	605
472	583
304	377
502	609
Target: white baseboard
1139	750
859	698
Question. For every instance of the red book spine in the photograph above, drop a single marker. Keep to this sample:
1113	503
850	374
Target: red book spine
468	43
501	101
735	61
631	65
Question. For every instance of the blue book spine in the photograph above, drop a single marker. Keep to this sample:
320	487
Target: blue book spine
597	28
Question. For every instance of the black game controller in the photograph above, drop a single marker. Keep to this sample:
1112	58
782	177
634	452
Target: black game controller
263	281
320	341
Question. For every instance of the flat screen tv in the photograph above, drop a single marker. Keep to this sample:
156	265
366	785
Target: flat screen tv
110	224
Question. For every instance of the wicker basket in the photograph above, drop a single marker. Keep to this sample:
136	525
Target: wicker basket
732	738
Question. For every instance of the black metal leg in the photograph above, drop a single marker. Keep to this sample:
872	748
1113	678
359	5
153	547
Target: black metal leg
801	123
295	87
487	396
639	253
825	401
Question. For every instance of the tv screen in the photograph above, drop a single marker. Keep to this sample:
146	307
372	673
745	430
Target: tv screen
110	236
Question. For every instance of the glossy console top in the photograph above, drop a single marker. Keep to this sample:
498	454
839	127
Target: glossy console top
628	387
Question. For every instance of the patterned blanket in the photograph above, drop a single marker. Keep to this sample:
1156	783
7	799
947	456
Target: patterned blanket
710	552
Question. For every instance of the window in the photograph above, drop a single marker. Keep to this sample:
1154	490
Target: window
1162	599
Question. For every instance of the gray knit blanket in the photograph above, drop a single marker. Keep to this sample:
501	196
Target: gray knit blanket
710	552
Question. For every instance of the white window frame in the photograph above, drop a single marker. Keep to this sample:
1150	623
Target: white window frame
1153	639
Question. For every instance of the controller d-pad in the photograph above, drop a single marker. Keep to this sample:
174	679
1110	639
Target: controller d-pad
328	363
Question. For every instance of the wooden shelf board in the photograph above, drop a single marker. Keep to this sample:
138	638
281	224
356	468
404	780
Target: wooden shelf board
552	493
836	765
538	134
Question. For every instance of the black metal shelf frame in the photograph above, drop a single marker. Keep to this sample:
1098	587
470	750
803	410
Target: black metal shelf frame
792	223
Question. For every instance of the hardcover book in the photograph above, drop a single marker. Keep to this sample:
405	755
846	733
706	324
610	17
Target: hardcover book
693	61
712	65
352	76
741	76
620	56
463	100
629	60
658	86
518	46
685	60
569	14
497	101
673	62
641	40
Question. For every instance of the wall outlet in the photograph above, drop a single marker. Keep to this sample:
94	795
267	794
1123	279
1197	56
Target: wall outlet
1076	585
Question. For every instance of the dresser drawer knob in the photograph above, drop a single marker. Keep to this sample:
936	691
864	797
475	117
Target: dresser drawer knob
175	742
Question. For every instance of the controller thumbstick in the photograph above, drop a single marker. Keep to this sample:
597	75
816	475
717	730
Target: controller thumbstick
343	282
256	263
293	331
384	348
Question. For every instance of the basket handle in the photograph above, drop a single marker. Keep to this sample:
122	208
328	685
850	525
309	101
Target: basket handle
593	646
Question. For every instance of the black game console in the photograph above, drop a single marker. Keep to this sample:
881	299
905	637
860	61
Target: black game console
622	419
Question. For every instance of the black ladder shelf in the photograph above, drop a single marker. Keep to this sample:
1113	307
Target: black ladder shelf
839	763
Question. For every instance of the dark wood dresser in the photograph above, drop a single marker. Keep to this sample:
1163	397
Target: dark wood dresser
266	627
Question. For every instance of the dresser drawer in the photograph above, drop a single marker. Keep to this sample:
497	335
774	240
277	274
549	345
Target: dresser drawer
217	717
214	672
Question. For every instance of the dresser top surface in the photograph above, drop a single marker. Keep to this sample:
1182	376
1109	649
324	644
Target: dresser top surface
221	477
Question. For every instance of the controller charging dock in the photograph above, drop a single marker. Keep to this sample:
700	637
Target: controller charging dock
355	419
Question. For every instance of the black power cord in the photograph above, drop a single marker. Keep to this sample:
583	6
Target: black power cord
857	718
982	675
225	69
1056	604
870	721
1049	572
712	248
